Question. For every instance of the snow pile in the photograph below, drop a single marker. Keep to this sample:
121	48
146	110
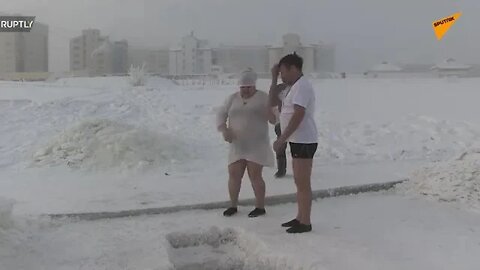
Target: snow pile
103	144
26	125
223	249
6	208
412	138
456	181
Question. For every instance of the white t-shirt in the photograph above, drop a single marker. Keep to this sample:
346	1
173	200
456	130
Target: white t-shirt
302	94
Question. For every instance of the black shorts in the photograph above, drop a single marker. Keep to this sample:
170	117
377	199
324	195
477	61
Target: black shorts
303	150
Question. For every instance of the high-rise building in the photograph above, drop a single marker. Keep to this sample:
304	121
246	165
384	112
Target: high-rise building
193	56
8	52
24	51
120	57
90	53
316	57
101	59
234	59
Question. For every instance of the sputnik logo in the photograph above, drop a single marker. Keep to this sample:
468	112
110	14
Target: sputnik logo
441	27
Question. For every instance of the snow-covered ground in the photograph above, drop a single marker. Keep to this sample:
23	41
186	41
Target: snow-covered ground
455	181
91	144
367	232
98	144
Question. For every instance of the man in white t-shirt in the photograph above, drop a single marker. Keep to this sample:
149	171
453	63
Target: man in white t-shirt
300	131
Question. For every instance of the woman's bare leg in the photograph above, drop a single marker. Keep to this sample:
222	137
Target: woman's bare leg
236	171
256	178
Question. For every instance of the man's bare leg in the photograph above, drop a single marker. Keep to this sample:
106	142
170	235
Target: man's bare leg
299	210
291	223
302	171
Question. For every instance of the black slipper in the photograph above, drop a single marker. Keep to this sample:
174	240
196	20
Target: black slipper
230	211
291	223
257	212
300	228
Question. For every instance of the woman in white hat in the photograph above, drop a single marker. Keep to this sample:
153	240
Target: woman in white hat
243	120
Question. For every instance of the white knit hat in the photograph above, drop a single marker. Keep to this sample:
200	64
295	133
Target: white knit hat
248	77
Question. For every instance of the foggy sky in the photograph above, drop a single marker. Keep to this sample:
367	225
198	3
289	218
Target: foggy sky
365	32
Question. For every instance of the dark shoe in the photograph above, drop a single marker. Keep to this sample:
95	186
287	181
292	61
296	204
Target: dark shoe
257	212
230	211
300	228
280	174
291	223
